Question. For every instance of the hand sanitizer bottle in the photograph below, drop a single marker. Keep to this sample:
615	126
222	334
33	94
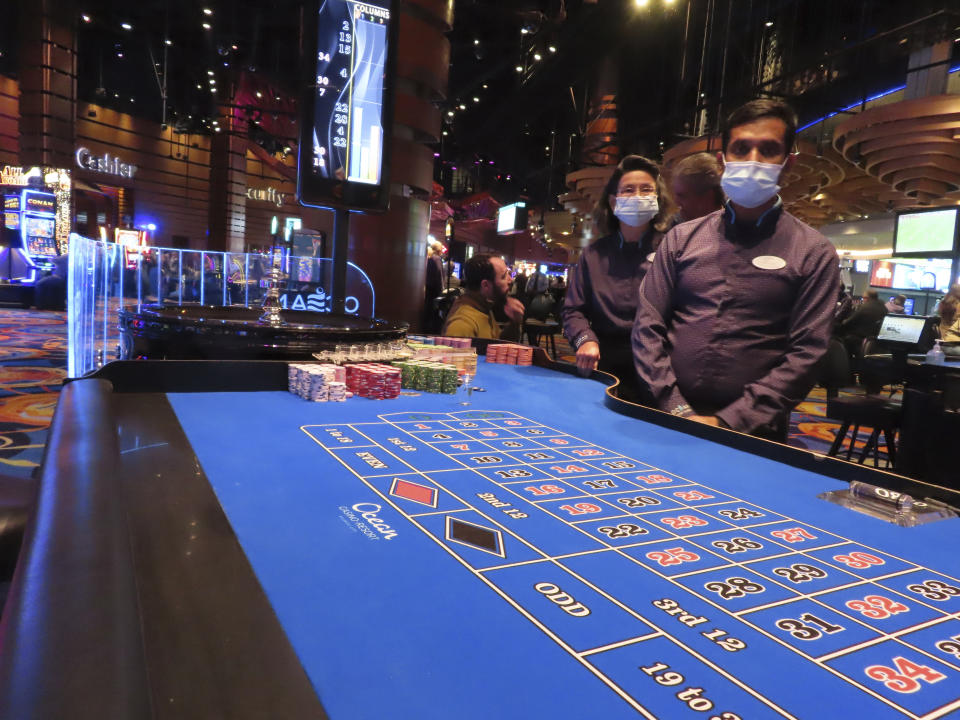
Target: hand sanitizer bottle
935	356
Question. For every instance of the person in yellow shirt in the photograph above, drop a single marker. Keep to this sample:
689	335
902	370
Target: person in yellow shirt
486	279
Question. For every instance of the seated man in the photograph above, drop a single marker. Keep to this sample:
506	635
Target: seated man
737	307
486	280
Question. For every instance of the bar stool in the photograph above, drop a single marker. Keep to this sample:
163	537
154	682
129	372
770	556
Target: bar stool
536	329
881	414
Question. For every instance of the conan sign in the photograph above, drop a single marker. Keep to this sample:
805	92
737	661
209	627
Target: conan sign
105	164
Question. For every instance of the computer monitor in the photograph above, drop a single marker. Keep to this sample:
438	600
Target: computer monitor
913	333
908	306
925	233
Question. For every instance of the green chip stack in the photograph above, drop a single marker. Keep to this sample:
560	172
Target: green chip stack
428	376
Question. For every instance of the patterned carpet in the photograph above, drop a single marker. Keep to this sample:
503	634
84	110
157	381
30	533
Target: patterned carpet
33	361
33	355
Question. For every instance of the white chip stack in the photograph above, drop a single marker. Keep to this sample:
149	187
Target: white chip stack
317	382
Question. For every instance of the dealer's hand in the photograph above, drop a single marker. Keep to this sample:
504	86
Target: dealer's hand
588	355
513	309
711	420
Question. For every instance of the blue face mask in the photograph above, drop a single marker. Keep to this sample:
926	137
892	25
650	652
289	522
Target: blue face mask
636	210
750	183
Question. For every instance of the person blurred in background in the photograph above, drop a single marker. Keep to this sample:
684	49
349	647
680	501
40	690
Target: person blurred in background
950	315
863	323
896	304
601	298
433	285
487	280
695	187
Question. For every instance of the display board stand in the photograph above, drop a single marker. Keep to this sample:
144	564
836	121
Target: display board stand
341	245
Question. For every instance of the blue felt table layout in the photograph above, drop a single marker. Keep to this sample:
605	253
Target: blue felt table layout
486	562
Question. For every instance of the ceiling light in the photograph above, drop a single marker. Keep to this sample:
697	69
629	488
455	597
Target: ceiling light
445	132
485	86
213	90
199	86
207	11
519	68
768	23
523	31
476	42
537	57
642	3
168	42
216	129
126	26
259	94
552	48
476	99
450	113
86	18
463	107
234	47
216	122
212	81
209	72
206	26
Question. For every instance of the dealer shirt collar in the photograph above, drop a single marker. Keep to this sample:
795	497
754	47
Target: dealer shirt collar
764	226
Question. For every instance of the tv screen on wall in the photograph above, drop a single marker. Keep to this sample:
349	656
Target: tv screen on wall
925	233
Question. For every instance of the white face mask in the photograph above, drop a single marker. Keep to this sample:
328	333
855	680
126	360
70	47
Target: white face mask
750	183
636	210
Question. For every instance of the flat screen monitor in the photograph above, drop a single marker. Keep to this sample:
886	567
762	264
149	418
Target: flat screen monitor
908	306
347	104
925	233
905	329
512	218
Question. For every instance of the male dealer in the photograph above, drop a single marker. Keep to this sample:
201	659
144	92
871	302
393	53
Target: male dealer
738	305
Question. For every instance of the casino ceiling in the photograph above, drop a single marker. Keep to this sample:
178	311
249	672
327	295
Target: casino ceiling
538	88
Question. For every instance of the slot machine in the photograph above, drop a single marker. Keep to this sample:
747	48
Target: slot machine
38	226
29	236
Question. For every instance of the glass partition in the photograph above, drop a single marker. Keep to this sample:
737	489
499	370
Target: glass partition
104	277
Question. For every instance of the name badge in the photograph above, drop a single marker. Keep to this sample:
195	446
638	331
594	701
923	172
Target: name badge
651	256
769	262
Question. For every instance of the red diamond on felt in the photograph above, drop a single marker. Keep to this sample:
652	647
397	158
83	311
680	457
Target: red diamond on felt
422	494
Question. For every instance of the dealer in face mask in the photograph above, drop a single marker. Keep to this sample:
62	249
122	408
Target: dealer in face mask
601	298
737	308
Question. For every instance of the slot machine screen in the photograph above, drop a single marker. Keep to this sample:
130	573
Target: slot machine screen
347	104
40	236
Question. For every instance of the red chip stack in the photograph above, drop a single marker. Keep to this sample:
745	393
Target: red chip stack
373	380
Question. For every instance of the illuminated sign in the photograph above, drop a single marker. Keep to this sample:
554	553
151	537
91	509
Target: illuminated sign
11	202
39	202
268	194
11	175
348	105
106	164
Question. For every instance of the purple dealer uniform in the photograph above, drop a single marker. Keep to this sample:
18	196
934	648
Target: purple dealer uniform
601	299
731	319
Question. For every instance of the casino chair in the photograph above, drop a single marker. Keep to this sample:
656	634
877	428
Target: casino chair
865	409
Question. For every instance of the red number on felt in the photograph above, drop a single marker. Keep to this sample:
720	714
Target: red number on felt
683	521
564	469
489	433
672	556
545	490
654	479
793	535
581	508
859	560
587	452
559	441
512	422
460	446
904	678
692	495
877	607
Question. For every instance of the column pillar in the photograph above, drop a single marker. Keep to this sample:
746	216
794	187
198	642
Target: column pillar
48	82
392	247
228	184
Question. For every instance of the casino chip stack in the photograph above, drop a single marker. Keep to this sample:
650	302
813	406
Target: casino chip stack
374	380
428	376
317	382
510	354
